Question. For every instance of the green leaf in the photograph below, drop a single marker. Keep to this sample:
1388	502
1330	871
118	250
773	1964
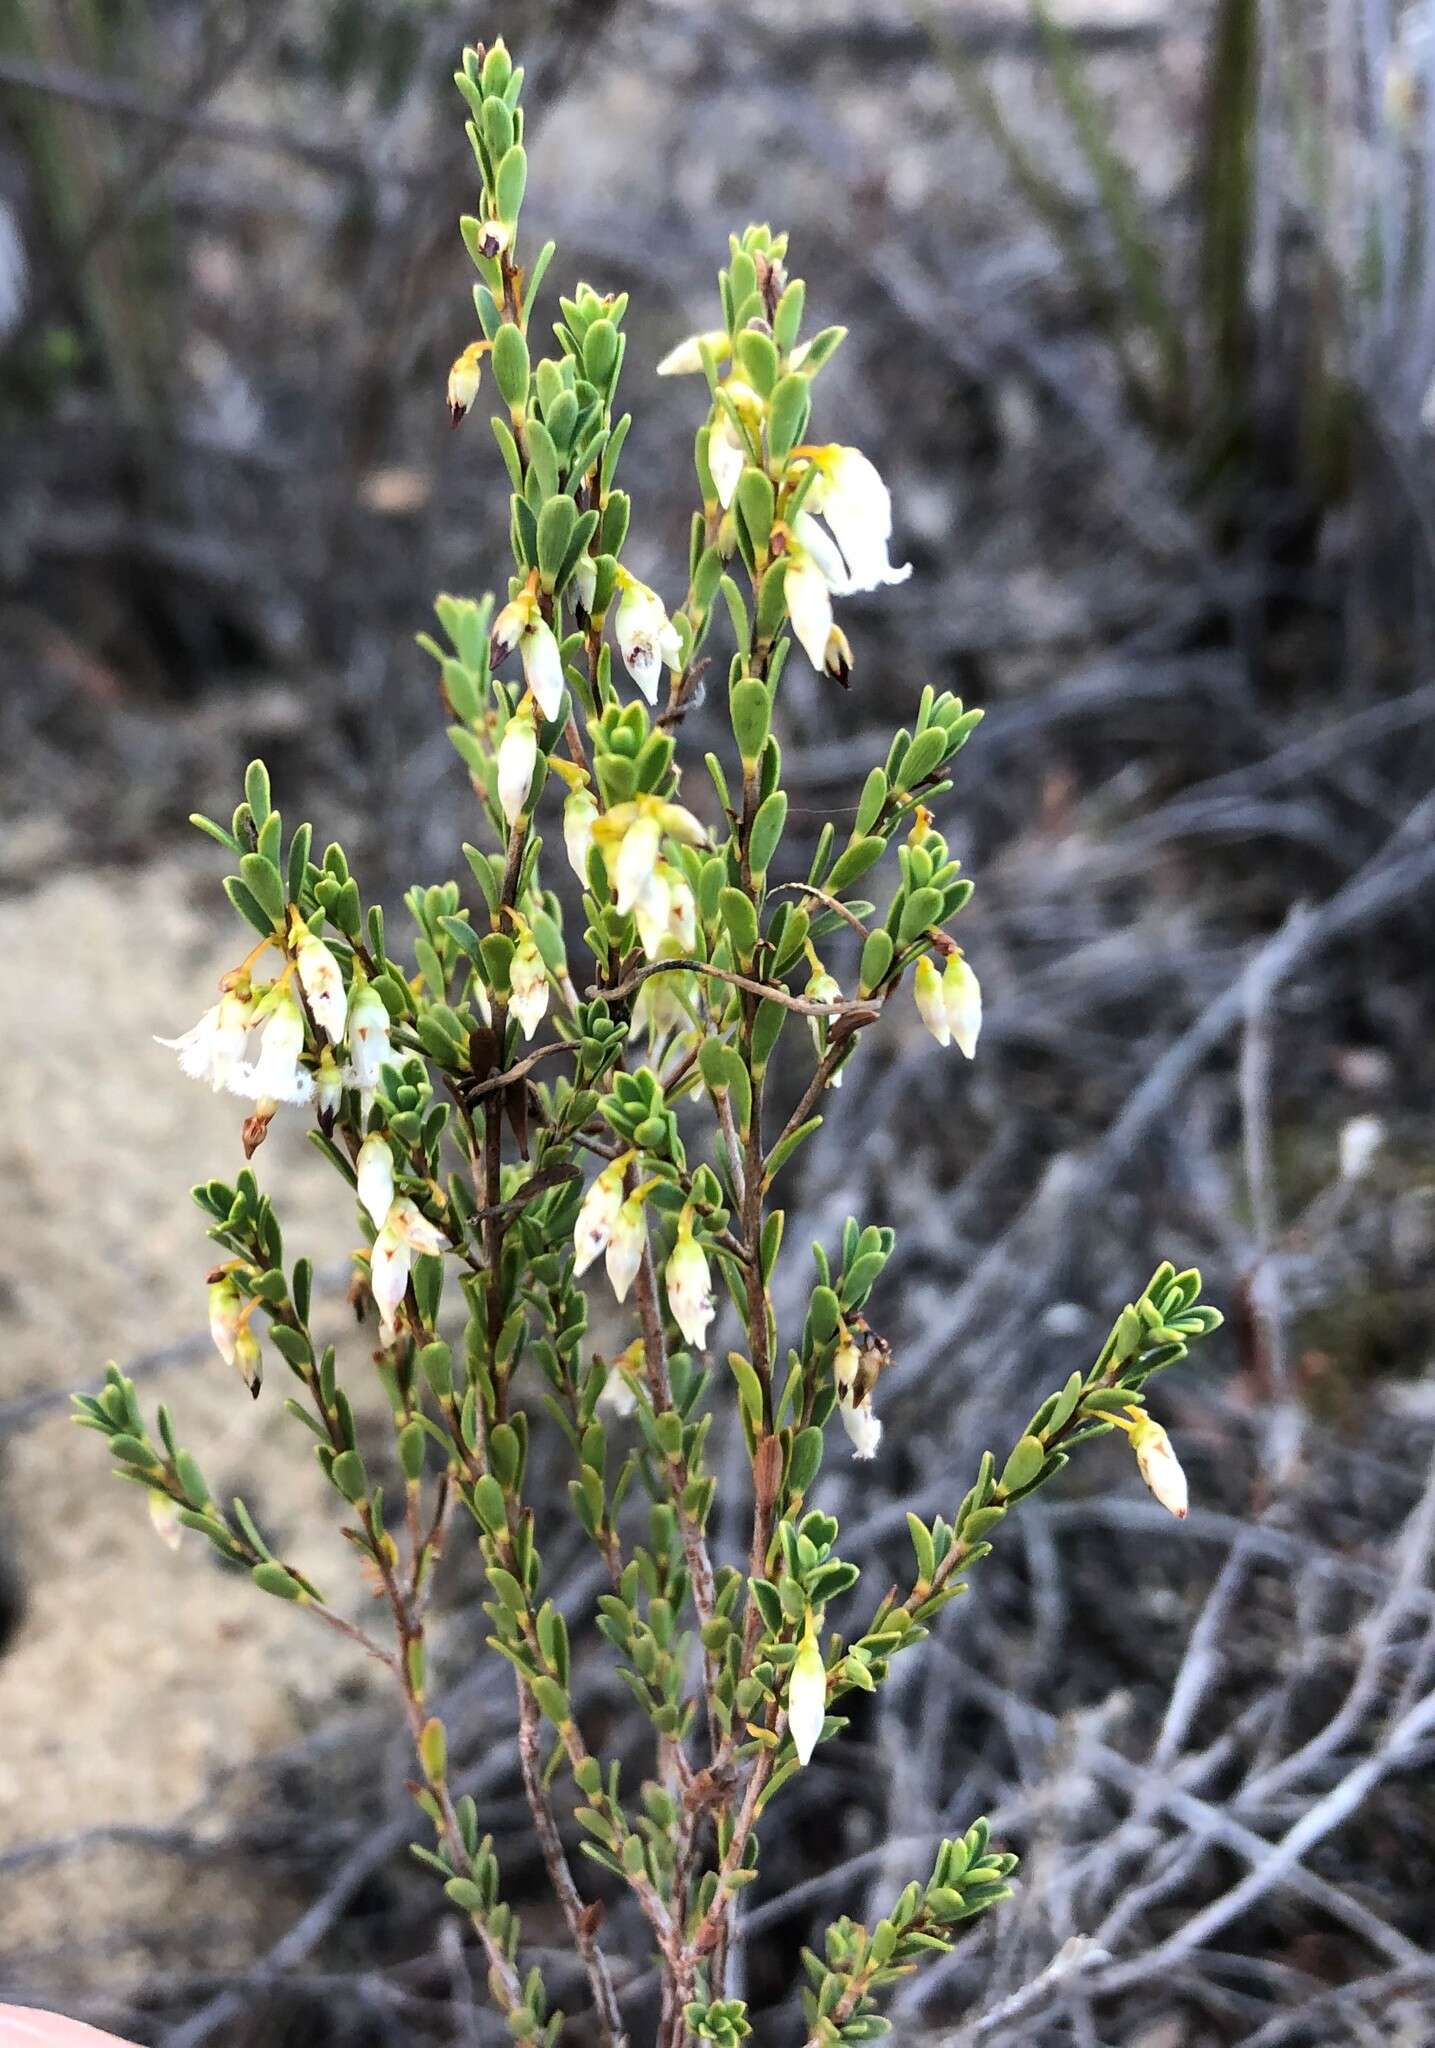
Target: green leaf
766	832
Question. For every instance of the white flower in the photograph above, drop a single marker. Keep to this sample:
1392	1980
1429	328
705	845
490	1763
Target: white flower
809	604
542	664
517	757
852	498
405	1230
962	1003
646	635
807	1695
597	1215
616	1396
861	1423
1360	1139
689	1285
463	380
931	1001
329	1083
686	360
226	1305
1159	1465
585	580
682	912
369	1045
528	986
247	1360
164	1516
277	1075
823	552
626	1241
579	814
651	913
494	236
637	857
507	629
322	983
727	448
375	1169
211	1049
658	1007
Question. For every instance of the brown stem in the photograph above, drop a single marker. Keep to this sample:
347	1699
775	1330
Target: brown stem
582	1920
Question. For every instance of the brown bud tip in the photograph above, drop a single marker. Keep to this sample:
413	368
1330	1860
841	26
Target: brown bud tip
255	1130
456	413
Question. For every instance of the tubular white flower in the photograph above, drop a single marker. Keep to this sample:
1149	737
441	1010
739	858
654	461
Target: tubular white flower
676	822
809	604
164	1518
682	912
375	1170
652	912
863	1426
616	1396
277	1075
846	1362
689	1285
211	1049
658	1007
528	986
226	1305
507	629
686	360
542	665
464	379
517	758
823	552
248	1359
727	458
322	983
625	1246
597	1215
579	814
407	1219
962	1003
389	1263
931	1001
646	635
585	580
369	1042
329	1083
1159	1466
807	1696
636	858
855	502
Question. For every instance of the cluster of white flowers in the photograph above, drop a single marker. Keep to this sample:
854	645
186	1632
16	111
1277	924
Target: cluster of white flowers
949	1003
611	1225
214	1049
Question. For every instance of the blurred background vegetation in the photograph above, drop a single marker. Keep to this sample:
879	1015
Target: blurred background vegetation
1142	300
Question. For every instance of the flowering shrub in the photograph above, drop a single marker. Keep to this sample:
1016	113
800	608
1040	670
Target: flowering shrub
530	1092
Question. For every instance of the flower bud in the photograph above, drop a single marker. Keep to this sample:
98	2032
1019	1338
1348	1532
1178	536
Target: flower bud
686	360
517	758
226	1305
616	1396
164	1518
463	380
248	1360
579	814
369	1041
807	1695
375	1169
542	665
962	1003
931	1001
1159	1466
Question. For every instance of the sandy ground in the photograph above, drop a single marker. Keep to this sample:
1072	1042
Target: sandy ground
135	1680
